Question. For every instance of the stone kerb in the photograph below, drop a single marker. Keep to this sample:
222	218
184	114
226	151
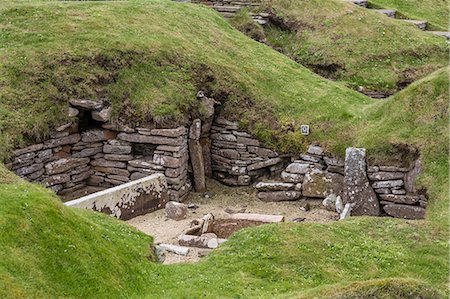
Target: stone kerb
127	200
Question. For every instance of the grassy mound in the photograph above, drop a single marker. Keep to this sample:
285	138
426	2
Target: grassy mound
353	45
148	59
434	11
48	250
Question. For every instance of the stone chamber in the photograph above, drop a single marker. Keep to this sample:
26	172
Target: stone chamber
91	154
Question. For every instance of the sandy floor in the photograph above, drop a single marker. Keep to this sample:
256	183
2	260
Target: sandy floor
165	230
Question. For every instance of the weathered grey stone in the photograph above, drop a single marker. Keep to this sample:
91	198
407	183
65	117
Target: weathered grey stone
73	112
56	179
264	164
385	176
309	158
339	205
224	137
274	186
393	169
399	191
111	170
357	189
279	195
198	168
333	161
29	149
138	138
107	163
231	125
35	175
336	169
117	157
102	115
173	133
320	184
97	135
330	202
238	170
127	200
175	210
247	141
195	130
87	152
291	177
82	176
229	153
403	199
123	179
23	160
116	149
244	180
95	180
298	168
382	191
79	169
167	161
346	212
315	150
139	175
59	134
262	152
86	104
387	184
411	176
70	190
404	211
71	139
64	164
168	148
371	169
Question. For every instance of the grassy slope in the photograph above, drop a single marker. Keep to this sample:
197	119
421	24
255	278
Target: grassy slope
434	11
291	260
148	59
362	47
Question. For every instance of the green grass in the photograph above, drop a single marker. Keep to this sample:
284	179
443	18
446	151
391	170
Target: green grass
434	11
353	45
148	59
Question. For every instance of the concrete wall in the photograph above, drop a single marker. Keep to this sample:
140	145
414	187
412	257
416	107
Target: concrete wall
127	200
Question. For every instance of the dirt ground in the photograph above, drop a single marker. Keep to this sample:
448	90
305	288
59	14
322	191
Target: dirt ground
223	200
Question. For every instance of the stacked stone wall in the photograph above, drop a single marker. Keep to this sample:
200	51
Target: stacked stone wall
237	158
72	160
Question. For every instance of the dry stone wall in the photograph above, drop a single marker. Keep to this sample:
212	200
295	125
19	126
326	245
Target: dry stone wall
237	158
371	190
76	159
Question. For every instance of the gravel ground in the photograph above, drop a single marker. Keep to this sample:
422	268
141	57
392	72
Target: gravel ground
221	197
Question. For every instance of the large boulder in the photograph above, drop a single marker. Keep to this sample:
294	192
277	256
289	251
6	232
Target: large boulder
175	210
357	189
320	184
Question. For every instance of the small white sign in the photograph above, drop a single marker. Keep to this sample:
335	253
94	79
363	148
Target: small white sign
304	129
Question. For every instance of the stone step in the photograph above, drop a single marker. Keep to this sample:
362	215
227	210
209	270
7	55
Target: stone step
232	9
363	3
441	33
388	12
422	25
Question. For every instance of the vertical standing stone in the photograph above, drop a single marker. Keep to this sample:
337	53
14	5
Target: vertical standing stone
196	155
206	149
357	189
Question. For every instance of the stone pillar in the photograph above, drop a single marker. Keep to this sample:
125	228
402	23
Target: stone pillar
196	155
357	189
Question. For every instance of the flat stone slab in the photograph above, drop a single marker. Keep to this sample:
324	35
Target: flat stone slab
441	33
127	200
274	186
357	189
279	195
404	211
403	199
320	184
259	217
